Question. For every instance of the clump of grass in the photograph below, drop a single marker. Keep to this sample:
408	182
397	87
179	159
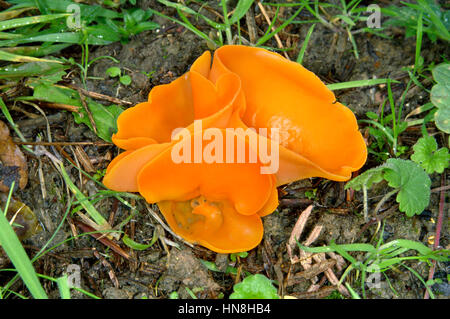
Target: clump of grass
380	258
436	20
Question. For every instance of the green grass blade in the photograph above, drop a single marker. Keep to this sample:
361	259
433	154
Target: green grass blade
10	14
63	287
394	120
90	209
275	17
87	293
226	22
62	37
345	247
8	116
421	279
37	51
419	35
14	249
15	71
409	244
381	127
9	36
442	30
358	83
188	10
353	293
20	22
188	26
241	9
6	56
265	38
305	44
137	246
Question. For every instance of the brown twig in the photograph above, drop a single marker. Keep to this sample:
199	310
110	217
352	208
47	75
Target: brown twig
105	263
60	106
251	25
296	232
311	272
105	241
86	108
440	189
277	38
99	96
84	159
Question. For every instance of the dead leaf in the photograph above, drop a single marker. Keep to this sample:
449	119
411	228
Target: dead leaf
23	219
13	164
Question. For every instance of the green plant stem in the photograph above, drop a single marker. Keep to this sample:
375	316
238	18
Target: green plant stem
227	22
419	35
394	120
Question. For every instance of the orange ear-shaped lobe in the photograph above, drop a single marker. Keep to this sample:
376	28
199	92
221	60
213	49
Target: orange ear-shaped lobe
121	173
172	177
176	105
283	94
169	106
226	231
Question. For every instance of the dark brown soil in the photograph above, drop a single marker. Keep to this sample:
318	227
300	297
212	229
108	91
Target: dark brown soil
172	266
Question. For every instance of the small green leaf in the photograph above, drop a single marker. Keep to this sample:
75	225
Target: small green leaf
113	71
242	254
442	119
429	157
255	287
372	115
105	118
174	295
440	95
441	73
125	80
44	91
413	182
367	179
210	265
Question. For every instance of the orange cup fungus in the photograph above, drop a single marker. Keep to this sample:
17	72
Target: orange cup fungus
217	201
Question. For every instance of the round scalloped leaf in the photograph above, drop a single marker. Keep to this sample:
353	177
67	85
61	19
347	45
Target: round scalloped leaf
427	155
255	287
413	184
440	95
441	73
442	119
